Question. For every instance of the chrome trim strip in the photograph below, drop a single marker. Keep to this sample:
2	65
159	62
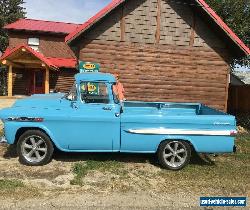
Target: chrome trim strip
165	131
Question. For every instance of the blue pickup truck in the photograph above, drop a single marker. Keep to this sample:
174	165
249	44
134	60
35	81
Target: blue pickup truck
90	118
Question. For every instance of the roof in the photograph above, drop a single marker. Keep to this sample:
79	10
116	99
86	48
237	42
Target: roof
235	80
43	26
95	77
115	3
54	63
63	62
243	76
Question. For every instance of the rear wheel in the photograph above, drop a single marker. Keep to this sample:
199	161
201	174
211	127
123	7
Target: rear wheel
174	154
34	148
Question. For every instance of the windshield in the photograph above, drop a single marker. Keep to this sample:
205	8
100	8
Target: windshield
94	92
72	94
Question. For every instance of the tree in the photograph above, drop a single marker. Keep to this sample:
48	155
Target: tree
236	14
10	11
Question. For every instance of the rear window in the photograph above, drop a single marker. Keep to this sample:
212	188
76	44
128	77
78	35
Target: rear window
94	92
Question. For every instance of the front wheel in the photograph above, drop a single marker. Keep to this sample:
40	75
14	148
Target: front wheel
174	155
34	148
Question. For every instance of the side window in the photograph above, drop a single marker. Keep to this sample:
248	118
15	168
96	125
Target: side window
34	43
115	94
94	92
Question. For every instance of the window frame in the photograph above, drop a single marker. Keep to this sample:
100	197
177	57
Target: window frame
98	82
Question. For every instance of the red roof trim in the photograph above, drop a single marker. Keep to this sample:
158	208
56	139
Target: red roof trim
94	19
49	61
224	26
63	62
43	26
36	54
116	3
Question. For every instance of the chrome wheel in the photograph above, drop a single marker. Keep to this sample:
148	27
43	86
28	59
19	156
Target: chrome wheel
34	149
175	154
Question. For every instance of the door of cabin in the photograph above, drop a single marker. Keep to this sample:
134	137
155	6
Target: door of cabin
37	85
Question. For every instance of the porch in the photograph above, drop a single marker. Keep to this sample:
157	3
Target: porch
28	71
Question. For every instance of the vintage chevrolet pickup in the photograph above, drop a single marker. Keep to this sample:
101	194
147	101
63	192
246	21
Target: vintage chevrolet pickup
90	118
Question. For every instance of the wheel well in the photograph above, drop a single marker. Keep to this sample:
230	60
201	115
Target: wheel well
190	144
21	131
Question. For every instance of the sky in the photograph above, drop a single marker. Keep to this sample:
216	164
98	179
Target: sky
73	11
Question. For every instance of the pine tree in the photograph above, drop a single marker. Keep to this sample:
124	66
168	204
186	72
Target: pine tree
10	11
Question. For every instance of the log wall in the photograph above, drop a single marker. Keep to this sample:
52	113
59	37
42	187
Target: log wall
163	51
62	80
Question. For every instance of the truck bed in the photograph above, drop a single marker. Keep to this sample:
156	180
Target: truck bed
170	108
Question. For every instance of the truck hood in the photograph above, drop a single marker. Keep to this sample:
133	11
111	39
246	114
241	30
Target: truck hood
39	100
36	105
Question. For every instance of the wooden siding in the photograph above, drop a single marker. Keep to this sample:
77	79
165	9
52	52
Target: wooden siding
50	46
190	63
62	80
21	79
239	99
163	73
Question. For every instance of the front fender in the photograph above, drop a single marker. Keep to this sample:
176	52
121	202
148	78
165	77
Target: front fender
11	129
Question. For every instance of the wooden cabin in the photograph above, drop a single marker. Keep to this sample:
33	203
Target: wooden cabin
38	59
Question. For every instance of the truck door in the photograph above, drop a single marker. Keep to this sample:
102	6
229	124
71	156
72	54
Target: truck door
95	119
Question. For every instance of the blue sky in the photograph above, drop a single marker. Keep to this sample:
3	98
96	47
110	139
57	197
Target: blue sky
75	11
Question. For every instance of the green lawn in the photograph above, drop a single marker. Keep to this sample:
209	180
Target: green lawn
224	174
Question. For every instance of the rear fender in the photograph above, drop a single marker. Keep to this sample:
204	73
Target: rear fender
181	138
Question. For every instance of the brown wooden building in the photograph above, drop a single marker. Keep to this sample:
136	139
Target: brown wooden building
38	59
164	50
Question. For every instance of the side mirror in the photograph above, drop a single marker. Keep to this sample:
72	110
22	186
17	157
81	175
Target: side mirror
122	107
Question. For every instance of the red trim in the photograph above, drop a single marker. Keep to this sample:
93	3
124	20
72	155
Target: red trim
49	61
224	26
36	54
94	19
43	26
63	62
116	3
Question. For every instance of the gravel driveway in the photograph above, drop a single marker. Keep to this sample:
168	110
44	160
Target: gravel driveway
5	103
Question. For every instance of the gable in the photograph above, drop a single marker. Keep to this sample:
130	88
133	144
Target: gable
177	23
237	44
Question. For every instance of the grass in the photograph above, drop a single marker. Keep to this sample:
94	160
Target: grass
10	185
222	175
81	169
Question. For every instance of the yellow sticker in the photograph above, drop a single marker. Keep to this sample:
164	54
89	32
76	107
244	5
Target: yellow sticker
91	87
89	66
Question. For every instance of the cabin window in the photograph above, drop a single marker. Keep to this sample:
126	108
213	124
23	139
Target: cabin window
34	43
94	92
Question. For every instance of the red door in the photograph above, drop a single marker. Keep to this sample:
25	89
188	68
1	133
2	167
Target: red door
37	85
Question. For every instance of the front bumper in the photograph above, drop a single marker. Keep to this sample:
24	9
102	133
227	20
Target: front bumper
3	140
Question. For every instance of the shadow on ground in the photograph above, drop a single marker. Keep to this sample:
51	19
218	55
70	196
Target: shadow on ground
196	159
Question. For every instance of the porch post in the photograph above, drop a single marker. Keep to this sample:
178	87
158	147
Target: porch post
10	81
46	80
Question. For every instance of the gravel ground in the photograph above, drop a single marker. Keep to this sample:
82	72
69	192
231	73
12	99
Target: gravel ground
5	103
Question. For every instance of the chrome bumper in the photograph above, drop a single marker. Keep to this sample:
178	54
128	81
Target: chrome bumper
3	140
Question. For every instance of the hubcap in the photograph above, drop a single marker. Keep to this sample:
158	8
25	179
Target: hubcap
175	154
34	149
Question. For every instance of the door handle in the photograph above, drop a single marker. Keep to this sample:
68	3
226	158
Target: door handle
107	108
